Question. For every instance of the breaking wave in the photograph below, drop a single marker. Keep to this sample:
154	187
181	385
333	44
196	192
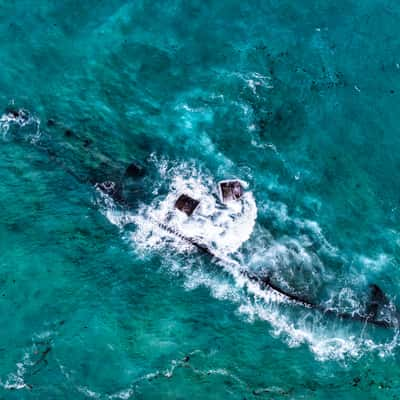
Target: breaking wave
231	232
222	228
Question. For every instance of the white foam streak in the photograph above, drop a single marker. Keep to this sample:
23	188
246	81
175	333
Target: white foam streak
16	380
88	393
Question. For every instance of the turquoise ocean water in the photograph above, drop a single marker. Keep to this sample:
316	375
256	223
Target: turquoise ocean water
298	99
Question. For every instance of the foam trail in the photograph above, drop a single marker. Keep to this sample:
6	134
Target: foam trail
326	337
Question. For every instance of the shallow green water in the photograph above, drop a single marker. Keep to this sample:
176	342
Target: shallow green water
300	100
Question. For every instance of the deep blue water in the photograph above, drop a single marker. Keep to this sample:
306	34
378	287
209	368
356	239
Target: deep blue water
298	99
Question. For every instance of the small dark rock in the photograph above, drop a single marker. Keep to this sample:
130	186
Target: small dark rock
24	115
51	122
263	123
314	85
356	380
68	133
391	91
186	204
186	359
134	171
87	142
279	116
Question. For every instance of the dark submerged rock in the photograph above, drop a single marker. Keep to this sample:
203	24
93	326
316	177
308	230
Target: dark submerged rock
87	142
134	171
356	381
377	300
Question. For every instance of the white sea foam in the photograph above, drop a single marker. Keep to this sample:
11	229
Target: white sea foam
377	264
16	380
227	230
123	394
20	118
328	340
88	393
222	228
255	80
